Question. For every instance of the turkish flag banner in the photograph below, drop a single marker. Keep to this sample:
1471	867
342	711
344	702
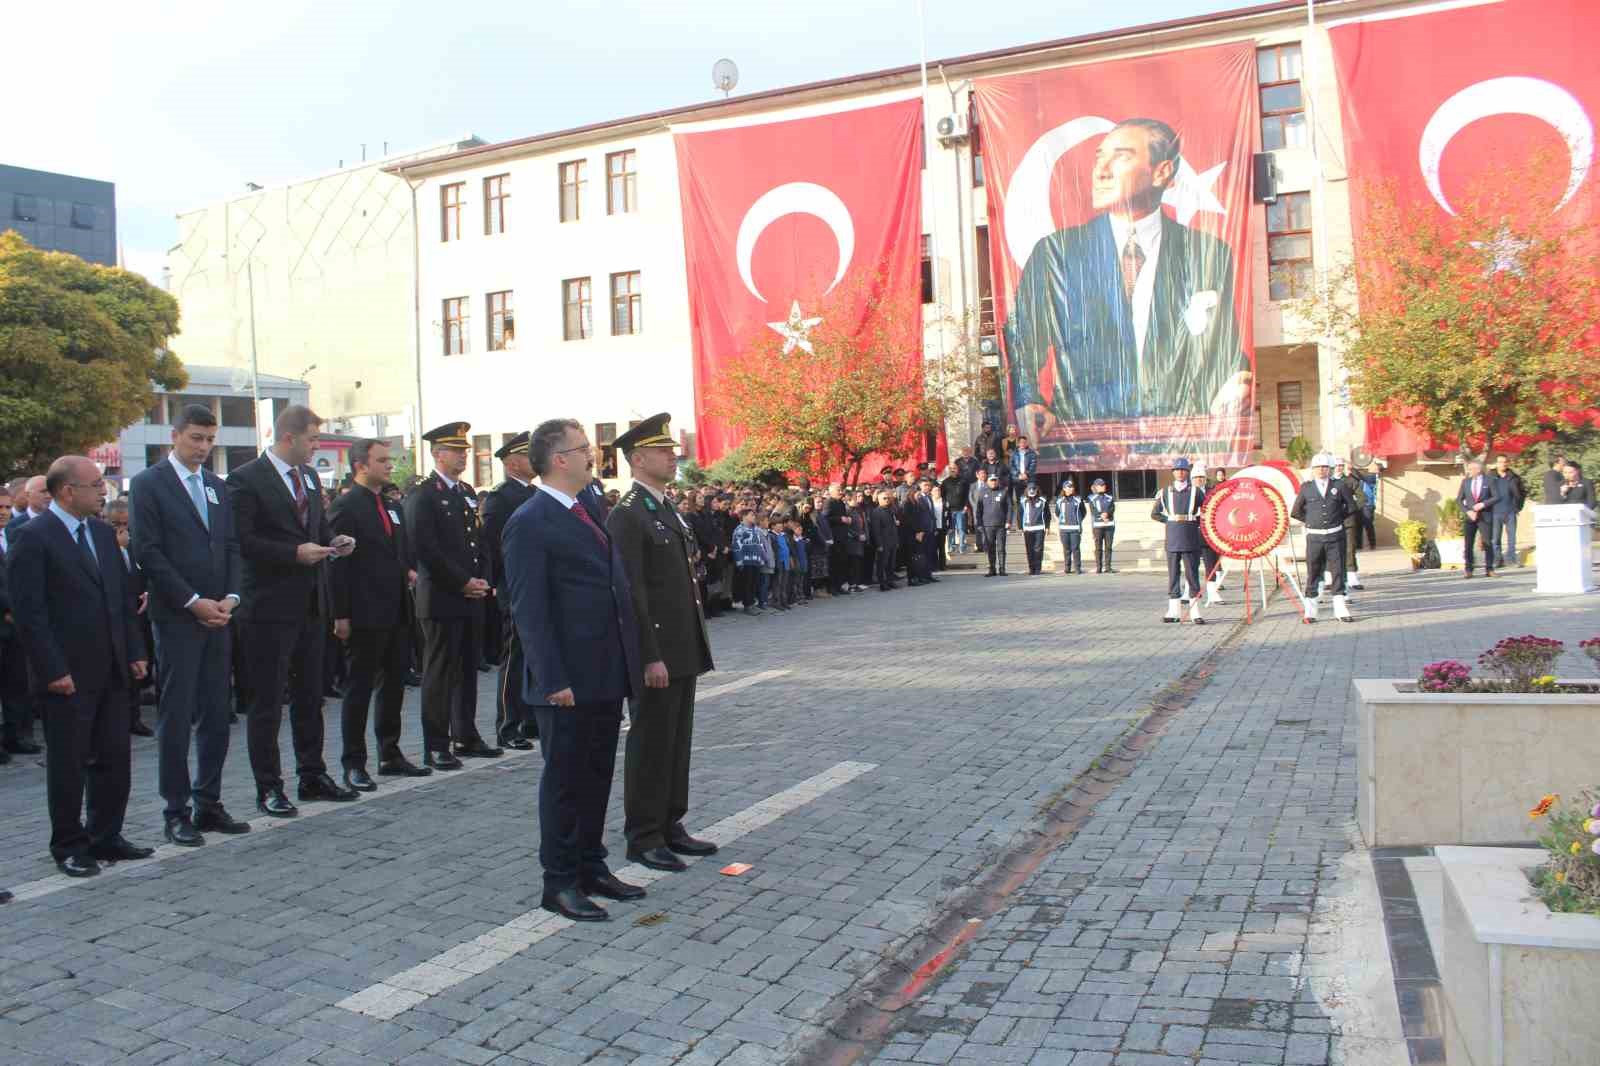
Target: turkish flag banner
1120	196
791	223
1439	101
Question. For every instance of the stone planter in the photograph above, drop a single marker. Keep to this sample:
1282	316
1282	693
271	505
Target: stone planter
1515	975
1463	768
1452	552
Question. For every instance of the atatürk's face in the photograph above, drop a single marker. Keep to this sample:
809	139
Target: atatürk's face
1124	182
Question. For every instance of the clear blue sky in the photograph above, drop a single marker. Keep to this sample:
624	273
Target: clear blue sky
183	101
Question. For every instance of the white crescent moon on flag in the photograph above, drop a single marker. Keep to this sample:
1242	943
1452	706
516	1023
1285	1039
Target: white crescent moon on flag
795	198
1028	218
1508	96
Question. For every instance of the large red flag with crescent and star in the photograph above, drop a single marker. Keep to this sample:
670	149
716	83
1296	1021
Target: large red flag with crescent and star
1437	101
790	223
1119	210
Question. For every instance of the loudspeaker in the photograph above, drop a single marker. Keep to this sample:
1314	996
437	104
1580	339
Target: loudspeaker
1264	183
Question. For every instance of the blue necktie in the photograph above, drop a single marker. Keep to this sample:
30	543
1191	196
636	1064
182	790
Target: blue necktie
199	499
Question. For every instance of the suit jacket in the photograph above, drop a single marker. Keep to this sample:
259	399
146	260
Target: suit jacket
72	616
1070	305
657	549
572	606
447	541
993	508
498	505
7	628
1489	495
918	516
174	551
882	529
276	587
369	585
1552	488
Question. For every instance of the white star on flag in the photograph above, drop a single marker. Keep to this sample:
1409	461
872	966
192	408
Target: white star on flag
1192	192
1505	251
796	331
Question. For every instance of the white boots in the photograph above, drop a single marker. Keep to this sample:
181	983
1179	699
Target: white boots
1311	608
1341	609
1194	612
1213	593
1174	611
1354	579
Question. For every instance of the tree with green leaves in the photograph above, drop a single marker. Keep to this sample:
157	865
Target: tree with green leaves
81	347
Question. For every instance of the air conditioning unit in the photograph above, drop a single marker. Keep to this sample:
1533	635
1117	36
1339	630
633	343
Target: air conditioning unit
953	129
988	346
1439	457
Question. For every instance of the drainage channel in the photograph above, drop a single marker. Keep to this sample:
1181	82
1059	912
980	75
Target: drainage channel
866	1024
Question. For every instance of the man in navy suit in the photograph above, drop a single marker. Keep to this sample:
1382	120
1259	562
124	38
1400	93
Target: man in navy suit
75	612
16	715
183	542
1478	496
573	610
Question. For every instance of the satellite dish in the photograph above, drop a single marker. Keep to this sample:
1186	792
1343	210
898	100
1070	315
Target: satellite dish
725	75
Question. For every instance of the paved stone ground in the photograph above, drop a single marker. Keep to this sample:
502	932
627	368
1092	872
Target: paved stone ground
1172	928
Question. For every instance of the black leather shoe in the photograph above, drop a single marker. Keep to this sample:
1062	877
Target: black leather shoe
78	866
688	845
120	849
323	787
657	859
358	779
182	832
570	903
441	760
402	768
476	750
516	743
216	819
276	804
139	729
5	897
26	747
608	886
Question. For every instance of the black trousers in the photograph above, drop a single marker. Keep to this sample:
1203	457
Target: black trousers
936	551
1324	553
86	765
1180	565
994	542
655	768
1209	560
838	564
452	649
1476	532
512	716
379	659
579	745
1072	551
194	702
1103	536
493	637
16	706
1033	543
883	568
282	653
1364	524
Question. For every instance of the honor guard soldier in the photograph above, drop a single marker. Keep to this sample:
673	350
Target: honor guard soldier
1178	507
1322	505
657	549
1210	561
453	571
1103	522
514	724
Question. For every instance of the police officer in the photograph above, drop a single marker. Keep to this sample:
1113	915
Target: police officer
1323	504
992	510
514	723
658	549
1072	511
1103	521
453	572
1033	515
1210	561
1178	508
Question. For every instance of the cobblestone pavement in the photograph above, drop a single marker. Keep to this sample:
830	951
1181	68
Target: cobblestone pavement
1173	926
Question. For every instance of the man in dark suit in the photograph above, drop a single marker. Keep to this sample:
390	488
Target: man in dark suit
184	544
117	516
453	589
1553	479
922	533
657	548
33	501
574	615
514	725
74	610
16	713
371	613
284	537
1135	309
1477	496
883	533
992	509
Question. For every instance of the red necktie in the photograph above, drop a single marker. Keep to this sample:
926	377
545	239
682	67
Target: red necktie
302	506
586	519
1132	263
383	514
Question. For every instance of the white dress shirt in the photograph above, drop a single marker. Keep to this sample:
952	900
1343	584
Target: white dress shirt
562	498
1147	234
288	473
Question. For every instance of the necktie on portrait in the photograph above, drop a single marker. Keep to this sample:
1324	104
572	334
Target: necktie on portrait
1132	263
586	519
302	505
199	497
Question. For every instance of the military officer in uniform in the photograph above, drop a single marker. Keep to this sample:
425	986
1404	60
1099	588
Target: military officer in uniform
514	725
1178	508
453	571
1323	504
657	549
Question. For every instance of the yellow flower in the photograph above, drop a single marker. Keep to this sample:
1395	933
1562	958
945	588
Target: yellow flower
1561	878
1542	808
1575	848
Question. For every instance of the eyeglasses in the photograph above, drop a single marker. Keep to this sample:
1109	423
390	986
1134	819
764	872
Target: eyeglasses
89	485
579	448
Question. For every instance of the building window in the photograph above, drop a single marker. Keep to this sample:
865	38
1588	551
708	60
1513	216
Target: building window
985	283
622	190
156	415
237	411
1256	443
155	454
496	198
1283	108
82	216
575	310
1291	417
976	142
927	268
455	325
626	310
572	182
452	201
24	208
1289	268
605	433
236	455
502	326
482	460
